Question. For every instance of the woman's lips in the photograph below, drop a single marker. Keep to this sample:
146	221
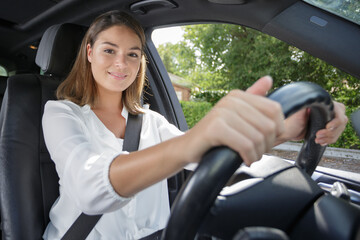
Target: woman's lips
118	75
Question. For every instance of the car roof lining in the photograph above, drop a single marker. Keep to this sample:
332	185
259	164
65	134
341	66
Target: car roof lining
320	41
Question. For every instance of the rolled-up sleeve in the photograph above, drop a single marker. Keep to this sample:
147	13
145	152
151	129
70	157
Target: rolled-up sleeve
166	129
83	168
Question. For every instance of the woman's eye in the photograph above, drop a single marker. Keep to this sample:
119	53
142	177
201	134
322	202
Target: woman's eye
110	51
135	55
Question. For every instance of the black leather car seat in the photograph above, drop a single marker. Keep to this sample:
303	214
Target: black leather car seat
28	180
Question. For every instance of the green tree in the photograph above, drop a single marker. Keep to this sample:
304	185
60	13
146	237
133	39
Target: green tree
223	57
231	56
239	55
178	58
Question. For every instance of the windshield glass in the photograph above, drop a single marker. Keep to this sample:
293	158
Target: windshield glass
348	9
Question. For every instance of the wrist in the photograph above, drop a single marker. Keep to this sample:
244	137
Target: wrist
194	146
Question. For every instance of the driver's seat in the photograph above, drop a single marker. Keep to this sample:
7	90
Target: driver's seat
28	180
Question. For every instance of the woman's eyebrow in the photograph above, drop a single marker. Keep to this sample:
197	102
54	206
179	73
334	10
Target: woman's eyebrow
111	44
135	48
115	45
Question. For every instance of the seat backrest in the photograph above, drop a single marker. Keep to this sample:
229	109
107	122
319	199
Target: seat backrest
28	179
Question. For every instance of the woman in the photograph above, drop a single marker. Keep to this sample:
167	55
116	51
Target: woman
84	134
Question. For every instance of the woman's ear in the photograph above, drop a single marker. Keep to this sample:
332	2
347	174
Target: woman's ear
88	52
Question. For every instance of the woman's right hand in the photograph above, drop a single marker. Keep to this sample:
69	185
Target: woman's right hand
247	122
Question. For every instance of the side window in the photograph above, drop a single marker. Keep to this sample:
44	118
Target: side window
207	61
3	72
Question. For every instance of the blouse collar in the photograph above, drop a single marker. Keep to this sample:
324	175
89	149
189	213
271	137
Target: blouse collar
99	127
86	110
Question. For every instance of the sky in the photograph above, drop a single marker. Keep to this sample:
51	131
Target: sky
171	34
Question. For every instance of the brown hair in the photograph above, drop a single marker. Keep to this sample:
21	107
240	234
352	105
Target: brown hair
80	86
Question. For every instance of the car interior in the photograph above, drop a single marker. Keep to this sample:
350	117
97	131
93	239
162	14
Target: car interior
275	198
41	187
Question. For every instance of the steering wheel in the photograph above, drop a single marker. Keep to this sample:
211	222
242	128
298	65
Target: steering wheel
217	166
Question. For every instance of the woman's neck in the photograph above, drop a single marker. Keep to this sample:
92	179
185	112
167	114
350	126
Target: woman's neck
110	102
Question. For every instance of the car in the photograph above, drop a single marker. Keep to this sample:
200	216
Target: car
275	199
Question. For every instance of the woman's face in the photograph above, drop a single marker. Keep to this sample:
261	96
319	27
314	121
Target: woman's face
115	59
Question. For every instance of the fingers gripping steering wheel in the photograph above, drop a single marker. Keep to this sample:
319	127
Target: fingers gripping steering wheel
219	164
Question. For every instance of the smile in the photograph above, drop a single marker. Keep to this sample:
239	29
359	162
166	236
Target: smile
118	75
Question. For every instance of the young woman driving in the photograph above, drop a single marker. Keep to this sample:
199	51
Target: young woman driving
84	133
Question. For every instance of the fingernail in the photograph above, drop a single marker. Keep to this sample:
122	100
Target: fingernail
269	77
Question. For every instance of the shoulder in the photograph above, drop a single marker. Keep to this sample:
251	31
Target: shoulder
62	106
153	116
59	109
152	113
157	121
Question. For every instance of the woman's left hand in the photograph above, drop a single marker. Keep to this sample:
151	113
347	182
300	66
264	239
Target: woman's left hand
334	128
295	126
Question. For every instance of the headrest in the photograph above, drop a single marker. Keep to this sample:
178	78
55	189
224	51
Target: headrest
59	47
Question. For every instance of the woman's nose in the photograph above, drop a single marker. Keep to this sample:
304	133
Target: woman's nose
121	61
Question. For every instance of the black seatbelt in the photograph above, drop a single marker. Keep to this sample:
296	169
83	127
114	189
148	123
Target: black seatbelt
83	225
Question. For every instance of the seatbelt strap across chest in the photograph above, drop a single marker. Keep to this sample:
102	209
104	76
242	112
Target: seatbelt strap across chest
83	225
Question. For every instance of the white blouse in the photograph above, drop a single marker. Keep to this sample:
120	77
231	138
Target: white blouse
83	149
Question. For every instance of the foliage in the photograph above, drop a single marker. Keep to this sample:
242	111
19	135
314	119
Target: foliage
224	56
178	58
239	55
3	71
349	138
210	96
194	111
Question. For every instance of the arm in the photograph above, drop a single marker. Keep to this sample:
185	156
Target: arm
244	121
240	117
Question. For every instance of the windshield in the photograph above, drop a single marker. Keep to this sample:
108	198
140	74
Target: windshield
348	9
